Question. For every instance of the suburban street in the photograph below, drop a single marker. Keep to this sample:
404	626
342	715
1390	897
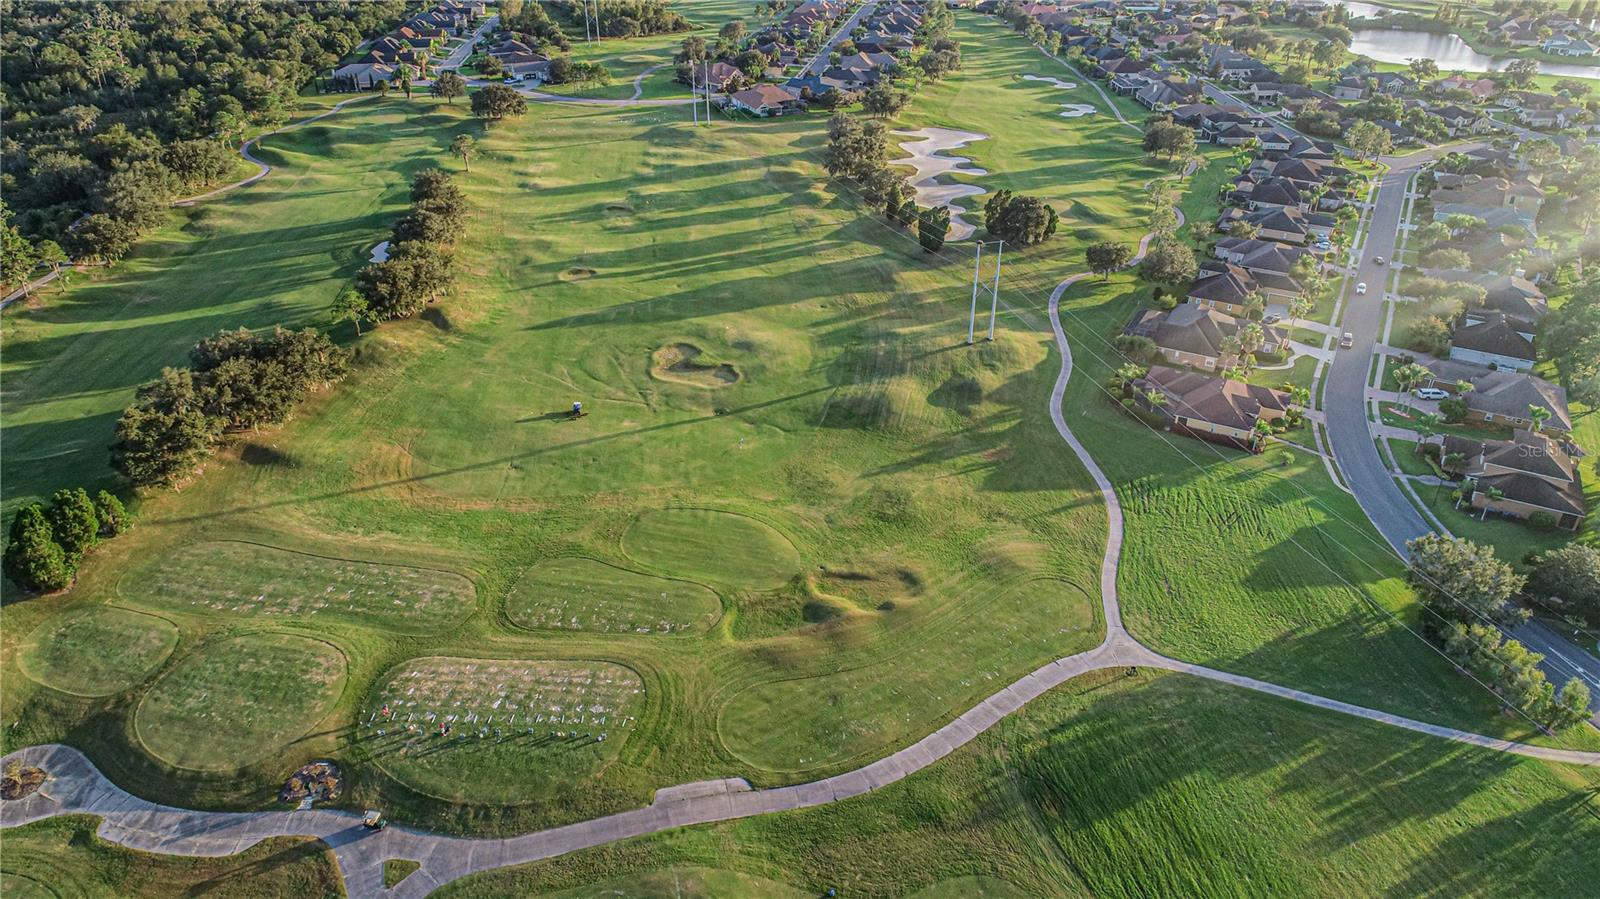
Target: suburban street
820	61
1350	438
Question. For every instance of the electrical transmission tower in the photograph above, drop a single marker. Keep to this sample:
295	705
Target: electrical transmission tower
993	289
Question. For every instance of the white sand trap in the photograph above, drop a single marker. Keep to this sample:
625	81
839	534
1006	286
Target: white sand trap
1076	110
380	253
930	165
1064	85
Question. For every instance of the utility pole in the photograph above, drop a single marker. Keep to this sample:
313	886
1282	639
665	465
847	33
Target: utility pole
978	285
707	64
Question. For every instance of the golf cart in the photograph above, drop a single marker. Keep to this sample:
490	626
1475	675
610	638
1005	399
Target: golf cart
374	820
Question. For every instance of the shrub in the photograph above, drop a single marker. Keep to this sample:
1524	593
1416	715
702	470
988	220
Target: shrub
33	560
113	515
1542	520
74	523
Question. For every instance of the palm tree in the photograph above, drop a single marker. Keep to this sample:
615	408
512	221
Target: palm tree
1154	398
1129	373
1538	415
1411	376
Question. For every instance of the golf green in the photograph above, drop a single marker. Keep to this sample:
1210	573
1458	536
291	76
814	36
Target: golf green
97	651
238	700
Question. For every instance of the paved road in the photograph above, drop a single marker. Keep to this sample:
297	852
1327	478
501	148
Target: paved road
76	786
459	55
820	61
1344	397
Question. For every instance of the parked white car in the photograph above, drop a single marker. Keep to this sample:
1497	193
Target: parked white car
1429	393
1347	341
1378	260
1361	288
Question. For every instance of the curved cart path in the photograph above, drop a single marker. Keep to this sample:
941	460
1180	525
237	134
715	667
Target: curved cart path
75	786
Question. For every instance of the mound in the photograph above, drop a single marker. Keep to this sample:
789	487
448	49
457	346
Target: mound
718	547
577	273
676	362
98	651
239	700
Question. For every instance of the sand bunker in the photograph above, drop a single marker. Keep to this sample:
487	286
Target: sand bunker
1074	110
930	166
677	363
380	253
1064	85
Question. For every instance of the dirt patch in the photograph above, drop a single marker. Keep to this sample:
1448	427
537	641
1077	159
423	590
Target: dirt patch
618	208
318	781
20	781
577	273
677	362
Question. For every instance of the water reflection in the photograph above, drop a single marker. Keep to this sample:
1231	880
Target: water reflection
1449	51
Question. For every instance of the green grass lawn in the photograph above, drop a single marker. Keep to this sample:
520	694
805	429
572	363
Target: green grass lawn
628	58
1088	791
890	523
866	491
1299	374
1406	457
1398	415
63	857
97	651
1512	540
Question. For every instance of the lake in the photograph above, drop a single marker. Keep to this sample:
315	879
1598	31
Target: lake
1449	51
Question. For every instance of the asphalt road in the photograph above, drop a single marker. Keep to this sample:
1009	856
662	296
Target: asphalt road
1350	438
820	61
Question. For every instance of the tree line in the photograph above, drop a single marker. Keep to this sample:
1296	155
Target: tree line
1470	596
114	109
418	269
236	381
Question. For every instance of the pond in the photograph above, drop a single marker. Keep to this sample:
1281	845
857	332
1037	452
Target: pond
1400	45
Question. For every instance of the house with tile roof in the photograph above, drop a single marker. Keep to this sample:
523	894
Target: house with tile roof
1211	408
1531	474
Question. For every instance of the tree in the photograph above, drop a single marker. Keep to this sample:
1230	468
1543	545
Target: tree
1538	415
1521	72
351	306
1424	69
33	560
73	523
1568	578
932	225
165	433
1019	219
1462	581
882	100
496	102
1411	376
732	31
1368	139
111	513
403	78
1108	256
464	145
491	67
1571	706
1168	261
448	86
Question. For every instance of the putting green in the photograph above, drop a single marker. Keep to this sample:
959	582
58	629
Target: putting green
97	651
238	700
501	731
950	660
584	594
720	547
240	579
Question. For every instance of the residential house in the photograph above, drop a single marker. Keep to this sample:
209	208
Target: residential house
1461	120
1530	474
1498	201
1481	89
1284	225
1197	336
1215	409
765	100
361	76
1350	87
1226	288
1493	341
1500	397
1564	45
1521	302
